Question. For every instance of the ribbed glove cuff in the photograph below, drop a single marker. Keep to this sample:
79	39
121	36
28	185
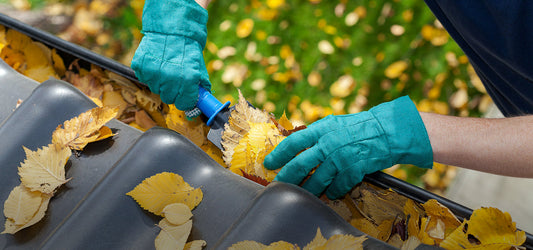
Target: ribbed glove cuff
176	17
405	131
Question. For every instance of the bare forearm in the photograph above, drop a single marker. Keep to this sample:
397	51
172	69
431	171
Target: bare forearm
500	146
203	3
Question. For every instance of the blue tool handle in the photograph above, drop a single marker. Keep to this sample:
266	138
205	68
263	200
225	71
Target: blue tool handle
209	105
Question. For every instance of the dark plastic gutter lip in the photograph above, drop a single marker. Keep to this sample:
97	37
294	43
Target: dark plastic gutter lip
71	49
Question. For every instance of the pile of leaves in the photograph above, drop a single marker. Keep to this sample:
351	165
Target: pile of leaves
404	223
43	170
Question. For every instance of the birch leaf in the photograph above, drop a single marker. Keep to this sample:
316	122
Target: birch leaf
79	131
317	242
11	227
21	205
44	170
341	241
487	228
163	189
247	245
177	213
172	236
195	245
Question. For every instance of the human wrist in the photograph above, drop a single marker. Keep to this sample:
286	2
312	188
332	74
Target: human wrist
203	3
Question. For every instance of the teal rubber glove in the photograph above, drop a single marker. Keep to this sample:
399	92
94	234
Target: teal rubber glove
348	147
169	58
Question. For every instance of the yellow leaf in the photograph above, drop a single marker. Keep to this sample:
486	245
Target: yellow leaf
11	227
245	27
162	189
192	129
317	243
247	245
195	245
114	99
437	212
285	123
345	242
103	133
177	213
38	62
44	170
396	69
22	204
79	131
281	245
172	236
487	227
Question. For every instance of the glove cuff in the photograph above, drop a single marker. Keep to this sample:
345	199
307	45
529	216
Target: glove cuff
176	17
407	136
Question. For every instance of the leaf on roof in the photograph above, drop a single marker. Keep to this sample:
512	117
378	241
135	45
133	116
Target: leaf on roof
172	236
160	190
12	226
79	131
44	170
177	213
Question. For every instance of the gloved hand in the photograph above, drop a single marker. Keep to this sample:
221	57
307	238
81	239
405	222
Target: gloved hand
349	146
169	58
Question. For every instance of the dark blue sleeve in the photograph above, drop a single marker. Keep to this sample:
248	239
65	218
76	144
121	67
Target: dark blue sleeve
497	37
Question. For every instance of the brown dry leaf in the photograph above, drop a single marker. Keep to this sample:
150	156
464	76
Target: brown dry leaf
378	205
79	131
144	120
414	212
177	213
114	99
486	228
11	227
151	103
22	204
160	190
441	221
87	81
195	245
172	236
44	170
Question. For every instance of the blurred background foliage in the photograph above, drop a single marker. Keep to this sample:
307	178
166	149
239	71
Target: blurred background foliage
308	58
